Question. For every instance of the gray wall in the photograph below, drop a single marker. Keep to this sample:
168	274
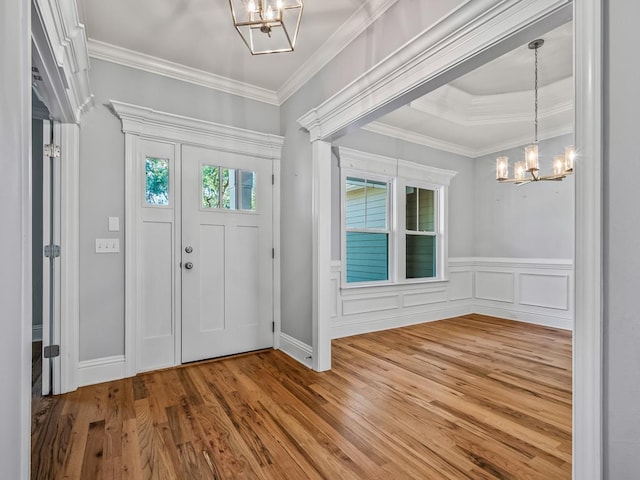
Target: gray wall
526	221
102	183
621	241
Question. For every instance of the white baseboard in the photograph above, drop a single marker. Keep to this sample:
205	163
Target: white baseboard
296	349
347	329
101	370
527	317
36	336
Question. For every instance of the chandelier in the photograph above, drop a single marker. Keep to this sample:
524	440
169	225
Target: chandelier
267	26
562	164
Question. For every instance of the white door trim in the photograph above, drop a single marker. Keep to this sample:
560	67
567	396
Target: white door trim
141	122
405	75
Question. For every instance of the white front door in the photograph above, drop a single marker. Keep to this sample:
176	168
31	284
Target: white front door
227	266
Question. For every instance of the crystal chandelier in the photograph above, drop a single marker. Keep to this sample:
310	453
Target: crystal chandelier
562	164
267	26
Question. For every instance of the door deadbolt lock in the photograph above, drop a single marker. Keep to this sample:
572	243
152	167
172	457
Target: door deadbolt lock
188	265
188	249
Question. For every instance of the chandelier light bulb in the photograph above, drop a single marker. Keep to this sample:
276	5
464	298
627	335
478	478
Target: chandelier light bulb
569	158
558	165
519	171
280	4
251	6
531	158
502	168
269	13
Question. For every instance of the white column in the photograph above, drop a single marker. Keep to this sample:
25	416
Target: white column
15	238
587	337
321	248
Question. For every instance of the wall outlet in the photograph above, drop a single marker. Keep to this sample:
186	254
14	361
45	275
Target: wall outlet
107	245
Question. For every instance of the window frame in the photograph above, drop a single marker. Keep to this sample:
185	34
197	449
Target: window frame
398	174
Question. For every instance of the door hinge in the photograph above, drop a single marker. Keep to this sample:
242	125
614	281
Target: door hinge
51	351
52	251
273	253
273	326
51	150
273	179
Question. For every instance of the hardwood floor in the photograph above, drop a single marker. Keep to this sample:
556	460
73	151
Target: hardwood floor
472	397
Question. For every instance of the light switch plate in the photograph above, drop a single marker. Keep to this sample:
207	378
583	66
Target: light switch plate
107	245
114	224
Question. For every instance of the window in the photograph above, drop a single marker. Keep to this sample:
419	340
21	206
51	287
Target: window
228	188
420	236
394	212
367	237
156	181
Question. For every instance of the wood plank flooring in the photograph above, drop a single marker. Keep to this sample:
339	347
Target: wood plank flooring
472	397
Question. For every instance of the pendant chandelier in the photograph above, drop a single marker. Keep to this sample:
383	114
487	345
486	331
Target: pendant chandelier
267	26
562	164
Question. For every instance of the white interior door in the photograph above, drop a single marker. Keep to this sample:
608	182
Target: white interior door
227	265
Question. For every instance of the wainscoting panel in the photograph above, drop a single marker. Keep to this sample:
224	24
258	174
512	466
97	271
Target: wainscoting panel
545	290
460	285
497	286
536	291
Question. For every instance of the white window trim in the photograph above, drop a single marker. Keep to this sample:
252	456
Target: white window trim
397	174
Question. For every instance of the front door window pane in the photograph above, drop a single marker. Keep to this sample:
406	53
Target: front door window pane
228	188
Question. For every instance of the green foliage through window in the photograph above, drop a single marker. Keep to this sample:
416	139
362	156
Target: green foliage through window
157	181
228	188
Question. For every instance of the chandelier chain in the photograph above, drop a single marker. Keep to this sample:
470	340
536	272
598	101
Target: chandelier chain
535	136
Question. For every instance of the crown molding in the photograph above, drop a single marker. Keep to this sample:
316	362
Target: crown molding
361	19
129	58
414	137
466	110
438	144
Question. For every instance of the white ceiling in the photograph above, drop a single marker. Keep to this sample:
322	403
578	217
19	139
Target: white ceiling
484	111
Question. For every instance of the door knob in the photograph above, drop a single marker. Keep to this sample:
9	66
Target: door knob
188	265
188	249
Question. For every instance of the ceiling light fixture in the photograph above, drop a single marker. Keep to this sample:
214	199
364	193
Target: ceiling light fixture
562	164
267	26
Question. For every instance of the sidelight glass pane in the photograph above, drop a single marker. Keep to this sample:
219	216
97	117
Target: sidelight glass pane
157	181
228	189
210	186
420	209
367	257
421	256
